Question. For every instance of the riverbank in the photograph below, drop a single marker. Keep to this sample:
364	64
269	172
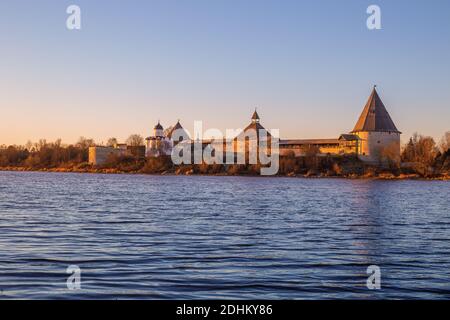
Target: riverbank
416	163
310	175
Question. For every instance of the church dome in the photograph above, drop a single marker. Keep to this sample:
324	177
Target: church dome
158	127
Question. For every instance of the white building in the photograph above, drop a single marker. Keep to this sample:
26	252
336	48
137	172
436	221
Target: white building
161	143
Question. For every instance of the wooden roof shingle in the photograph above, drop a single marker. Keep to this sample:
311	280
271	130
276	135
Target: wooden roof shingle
375	117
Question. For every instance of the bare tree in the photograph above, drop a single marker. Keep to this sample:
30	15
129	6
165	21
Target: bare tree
111	142
85	143
57	143
41	144
421	151
135	140
444	143
29	145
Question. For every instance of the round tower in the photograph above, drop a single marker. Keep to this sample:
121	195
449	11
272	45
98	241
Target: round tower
380	139
158	131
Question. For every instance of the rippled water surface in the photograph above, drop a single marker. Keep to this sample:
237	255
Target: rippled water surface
173	237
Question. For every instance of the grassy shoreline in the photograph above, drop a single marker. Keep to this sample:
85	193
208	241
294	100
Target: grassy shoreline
353	176
420	159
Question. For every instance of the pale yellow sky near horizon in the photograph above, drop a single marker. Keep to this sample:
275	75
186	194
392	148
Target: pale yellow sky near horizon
308	73
71	122
68	119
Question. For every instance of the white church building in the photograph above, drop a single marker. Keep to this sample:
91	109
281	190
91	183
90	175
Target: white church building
161	142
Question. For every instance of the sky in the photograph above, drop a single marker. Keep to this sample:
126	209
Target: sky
308	66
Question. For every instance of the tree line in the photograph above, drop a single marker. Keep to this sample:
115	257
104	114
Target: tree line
44	154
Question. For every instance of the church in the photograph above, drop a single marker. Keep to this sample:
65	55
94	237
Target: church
161	142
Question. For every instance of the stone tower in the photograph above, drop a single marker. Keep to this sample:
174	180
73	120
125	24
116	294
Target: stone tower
158	131
380	139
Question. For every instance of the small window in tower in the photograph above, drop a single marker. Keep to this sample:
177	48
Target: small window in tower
378	141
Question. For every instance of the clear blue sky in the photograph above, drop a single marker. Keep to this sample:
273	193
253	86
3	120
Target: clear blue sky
308	66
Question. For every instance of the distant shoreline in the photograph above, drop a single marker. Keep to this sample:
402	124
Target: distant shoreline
382	176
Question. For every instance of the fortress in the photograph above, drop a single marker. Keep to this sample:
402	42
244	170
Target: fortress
373	135
374	138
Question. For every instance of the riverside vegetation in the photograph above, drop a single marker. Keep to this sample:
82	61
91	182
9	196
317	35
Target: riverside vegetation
421	157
